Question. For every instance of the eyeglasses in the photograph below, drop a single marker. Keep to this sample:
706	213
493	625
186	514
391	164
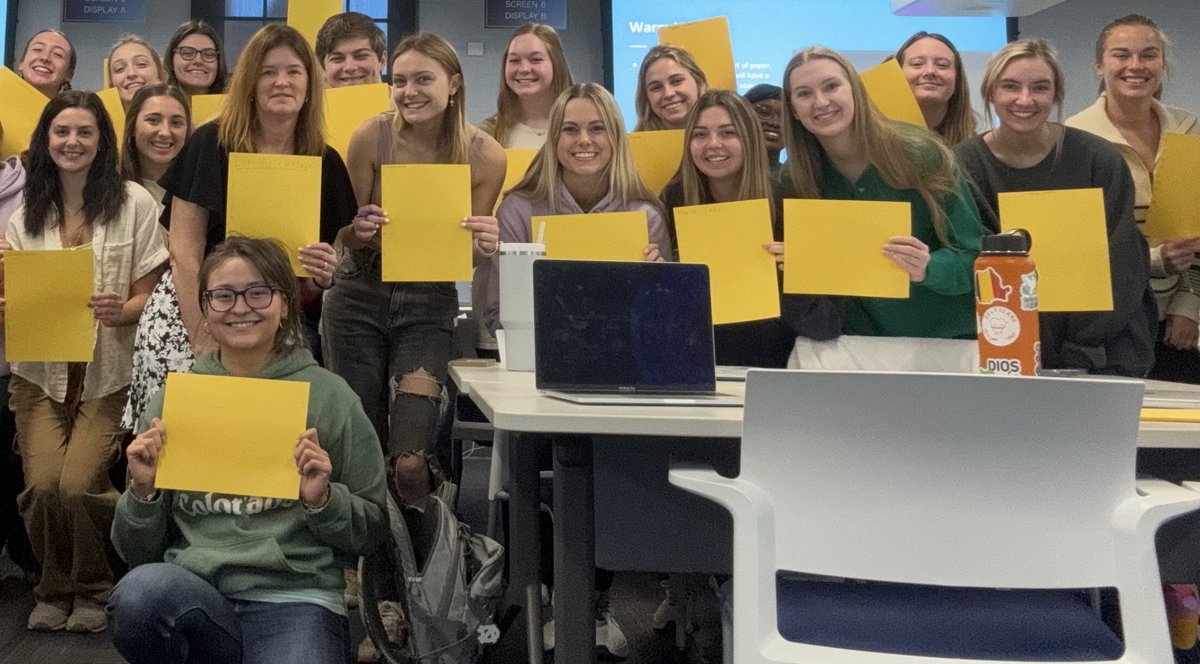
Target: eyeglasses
224	299
188	53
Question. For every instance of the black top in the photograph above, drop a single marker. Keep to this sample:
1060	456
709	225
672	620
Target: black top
200	171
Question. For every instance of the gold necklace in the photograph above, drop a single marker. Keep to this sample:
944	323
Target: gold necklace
74	242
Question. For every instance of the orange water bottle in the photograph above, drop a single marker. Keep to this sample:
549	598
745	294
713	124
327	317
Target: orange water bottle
1006	311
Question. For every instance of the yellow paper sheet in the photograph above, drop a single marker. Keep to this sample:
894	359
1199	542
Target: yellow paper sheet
232	435
1070	245
708	42
116	111
1175	209
347	107
601	236
836	247
20	110
277	196
424	239
307	16
657	154
46	314
1170	415
518	162
105	78
729	239
888	88
206	108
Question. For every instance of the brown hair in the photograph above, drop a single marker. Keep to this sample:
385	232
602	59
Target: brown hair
647	119
755	178
131	159
508	105
270	258
959	123
455	144
349	25
1134	20
197	27
137	39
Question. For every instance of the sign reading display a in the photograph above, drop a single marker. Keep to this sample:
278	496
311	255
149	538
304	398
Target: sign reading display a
104	11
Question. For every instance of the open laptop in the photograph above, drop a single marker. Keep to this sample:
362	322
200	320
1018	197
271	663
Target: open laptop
618	333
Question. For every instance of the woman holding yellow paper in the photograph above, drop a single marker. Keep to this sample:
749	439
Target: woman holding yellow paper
1023	83
1131	60
223	578
68	413
532	75
841	147
669	82
392	341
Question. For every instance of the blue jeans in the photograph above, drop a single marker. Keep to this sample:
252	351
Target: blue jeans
161	613
377	333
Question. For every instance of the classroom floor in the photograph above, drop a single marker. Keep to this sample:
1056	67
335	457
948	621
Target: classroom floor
634	598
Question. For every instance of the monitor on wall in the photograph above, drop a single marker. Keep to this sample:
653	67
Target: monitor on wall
766	34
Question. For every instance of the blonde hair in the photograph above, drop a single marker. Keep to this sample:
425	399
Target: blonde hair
754	179
1037	49
238	121
1136	20
508	105
542	180
959	123
137	39
455	143
906	157
647	119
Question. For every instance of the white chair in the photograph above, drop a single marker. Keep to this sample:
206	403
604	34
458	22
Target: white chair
954	481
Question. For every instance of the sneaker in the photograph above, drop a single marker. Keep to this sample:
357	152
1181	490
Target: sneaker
394	626
48	617
668	611
87	617
610	640
350	594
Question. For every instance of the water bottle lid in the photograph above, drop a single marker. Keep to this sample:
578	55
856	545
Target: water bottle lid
1016	241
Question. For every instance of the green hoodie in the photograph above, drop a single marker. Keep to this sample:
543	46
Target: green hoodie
240	543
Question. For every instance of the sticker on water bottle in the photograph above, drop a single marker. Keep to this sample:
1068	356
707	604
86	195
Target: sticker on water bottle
1000	326
1029	291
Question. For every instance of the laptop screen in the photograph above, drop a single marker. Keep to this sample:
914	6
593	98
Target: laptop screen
603	326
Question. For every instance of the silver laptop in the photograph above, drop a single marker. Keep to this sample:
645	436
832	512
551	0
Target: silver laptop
617	333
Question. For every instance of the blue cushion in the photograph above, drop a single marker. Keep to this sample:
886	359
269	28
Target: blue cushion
938	621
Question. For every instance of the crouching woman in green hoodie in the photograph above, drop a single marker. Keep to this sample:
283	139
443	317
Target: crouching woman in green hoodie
238	579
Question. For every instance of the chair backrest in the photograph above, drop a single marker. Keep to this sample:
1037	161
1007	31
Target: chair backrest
944	479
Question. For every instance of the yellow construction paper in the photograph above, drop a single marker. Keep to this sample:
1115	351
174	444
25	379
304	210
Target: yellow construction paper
889	89
836	247
347	107
46	317
232	435
1170	415
518	163
656	155
1070	245
19	112
116	112
729	239
105	77
424	239
600	236
708	42
206	108
277	196
308	16
1175	209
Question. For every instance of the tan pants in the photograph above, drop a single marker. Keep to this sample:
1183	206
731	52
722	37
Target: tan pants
66	450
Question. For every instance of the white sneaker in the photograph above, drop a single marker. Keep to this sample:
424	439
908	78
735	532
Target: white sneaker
610	640
668	611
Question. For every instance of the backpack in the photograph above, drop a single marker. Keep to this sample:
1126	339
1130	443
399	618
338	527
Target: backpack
450	605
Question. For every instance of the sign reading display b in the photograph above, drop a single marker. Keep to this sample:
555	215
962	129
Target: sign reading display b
515	13
104	11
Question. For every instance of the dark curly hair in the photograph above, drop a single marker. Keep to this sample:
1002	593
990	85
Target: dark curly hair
104	192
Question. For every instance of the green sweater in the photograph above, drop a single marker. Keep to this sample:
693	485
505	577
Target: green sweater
241	544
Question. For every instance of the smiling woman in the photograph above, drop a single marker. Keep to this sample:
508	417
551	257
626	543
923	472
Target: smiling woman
669	81
533	73
48	62
196	59
132	64
938	79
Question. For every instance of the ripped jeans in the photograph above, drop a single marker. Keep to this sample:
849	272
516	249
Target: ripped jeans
391	342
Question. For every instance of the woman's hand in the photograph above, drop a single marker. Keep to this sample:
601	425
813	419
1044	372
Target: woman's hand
368	221
776	250
321	261
651	254
108	308
142	457
1181	332
1178	255
911	254
314	466
485	234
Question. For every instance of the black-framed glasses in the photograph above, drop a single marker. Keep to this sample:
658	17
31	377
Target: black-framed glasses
224	299
188	53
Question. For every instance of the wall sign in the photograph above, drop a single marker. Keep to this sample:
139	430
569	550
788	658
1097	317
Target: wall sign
104	11
514	13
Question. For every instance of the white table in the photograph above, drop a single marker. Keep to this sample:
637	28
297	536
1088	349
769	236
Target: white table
519	413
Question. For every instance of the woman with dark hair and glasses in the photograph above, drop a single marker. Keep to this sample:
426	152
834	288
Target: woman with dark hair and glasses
68	413
250	580
196	59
